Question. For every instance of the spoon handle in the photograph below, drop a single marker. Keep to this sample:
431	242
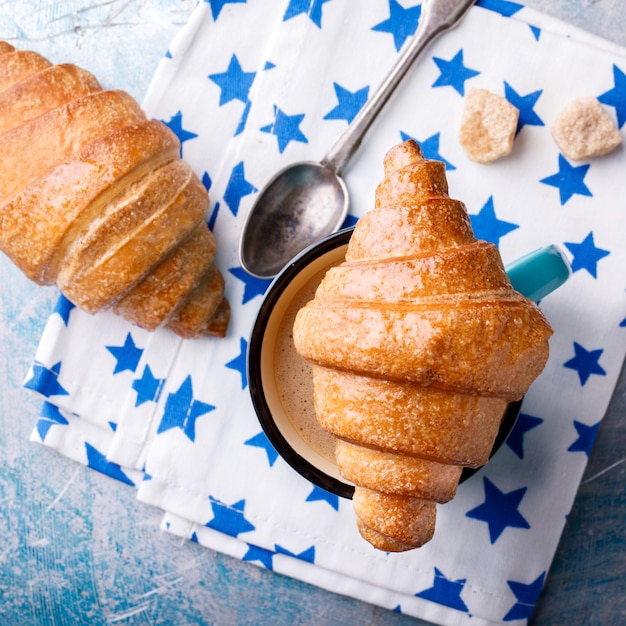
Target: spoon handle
437	16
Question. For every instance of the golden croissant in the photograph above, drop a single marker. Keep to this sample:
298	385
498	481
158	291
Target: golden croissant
95	198
418	341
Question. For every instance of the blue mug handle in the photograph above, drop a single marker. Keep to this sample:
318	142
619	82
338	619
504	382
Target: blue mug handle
540	272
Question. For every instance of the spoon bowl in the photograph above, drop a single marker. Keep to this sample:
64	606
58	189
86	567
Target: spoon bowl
300	205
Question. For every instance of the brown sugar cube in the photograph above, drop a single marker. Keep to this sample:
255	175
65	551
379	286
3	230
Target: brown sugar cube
488	126
583	130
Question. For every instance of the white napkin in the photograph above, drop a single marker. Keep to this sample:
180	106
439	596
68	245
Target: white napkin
250	87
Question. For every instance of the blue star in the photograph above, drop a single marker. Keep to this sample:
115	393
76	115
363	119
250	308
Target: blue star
50	416
453	73
616	97
622	324
182	411
536	32
213	217
568	180
488	227
237	188
244	118
527	596
525	104
218	5
586	437
229	518
239	362
349	103
524	423
234	82
63	308
499	510
45	380
307	555
261	441
263	556
253	286
321	495
97	461
503	7
286	128
127	356
148	387
586	255
445	591
206	181
176	126
350	221
585	362
401	23
311	8
430	148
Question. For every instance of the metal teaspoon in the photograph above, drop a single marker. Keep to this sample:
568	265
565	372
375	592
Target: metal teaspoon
307	201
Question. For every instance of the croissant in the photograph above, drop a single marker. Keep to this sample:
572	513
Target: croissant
417	342
95	198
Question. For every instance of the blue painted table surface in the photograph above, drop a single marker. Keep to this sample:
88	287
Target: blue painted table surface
77	548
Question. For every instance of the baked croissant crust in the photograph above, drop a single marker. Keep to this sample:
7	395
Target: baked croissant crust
95	198
418	341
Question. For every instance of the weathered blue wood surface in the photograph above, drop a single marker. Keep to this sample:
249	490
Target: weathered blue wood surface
76	547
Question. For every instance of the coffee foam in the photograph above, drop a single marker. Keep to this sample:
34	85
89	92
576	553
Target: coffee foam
294	377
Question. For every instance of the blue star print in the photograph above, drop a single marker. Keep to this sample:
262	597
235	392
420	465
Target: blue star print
237	188
527	596
182	411
234	82
525	104
239	362
229	519
50	416
586	255
616	97
307	555
63	309
148	387
499	510
321	495
311	8
263	556
97	461
503	7
445	591
524	423
401	23
586	437
45	380
261	441
253	286
286	128
430	148
488	227
176	126
349	103
218	5
127	356
569	180
453	73
585	362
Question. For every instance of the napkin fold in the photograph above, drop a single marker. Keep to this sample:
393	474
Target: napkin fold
249	88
